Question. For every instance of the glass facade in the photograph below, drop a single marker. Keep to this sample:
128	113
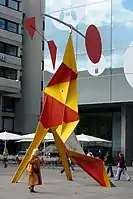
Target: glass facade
114	20
103	121
113	83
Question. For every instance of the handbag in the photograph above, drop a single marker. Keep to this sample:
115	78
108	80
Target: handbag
35	170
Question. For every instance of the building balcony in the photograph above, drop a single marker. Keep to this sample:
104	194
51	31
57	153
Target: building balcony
10	61
11	14
10	37
8	86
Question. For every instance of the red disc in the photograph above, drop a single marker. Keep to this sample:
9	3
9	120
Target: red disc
93	44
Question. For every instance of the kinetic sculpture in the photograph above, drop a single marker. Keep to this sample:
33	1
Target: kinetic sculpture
60	114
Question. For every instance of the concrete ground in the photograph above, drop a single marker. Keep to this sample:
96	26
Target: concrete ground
55	186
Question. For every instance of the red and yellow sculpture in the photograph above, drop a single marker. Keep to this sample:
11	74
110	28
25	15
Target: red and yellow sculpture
60	114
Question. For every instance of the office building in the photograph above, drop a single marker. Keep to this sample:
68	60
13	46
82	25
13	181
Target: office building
20	66
106	88
10	61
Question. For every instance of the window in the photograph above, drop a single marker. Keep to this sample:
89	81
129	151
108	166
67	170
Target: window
42	45
8	124
8	49
41	85
2	50
41	106
11	50
3	2
42	65
2	23
12	27
8	73
8	104
8	25
43	25
13	4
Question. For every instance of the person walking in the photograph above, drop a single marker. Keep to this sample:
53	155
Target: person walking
102	155
71	165
90	154
109	162
5	157
121	168
33	169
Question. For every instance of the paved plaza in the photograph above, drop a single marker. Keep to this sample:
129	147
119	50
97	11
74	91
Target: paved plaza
55	186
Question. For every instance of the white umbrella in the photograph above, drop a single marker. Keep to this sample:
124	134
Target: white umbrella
6	136
30	136
24	140
49	136
86	138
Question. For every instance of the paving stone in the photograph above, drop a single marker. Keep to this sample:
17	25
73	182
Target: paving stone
55	186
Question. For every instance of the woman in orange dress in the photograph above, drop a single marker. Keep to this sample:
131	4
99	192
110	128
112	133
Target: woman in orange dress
33	170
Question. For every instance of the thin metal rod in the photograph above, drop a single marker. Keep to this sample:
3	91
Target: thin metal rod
39	33
66	24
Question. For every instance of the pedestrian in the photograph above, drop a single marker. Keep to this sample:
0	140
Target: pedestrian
121	168
18	159
33	169
102	155
71	165
109	162
5	157
97	155
90	154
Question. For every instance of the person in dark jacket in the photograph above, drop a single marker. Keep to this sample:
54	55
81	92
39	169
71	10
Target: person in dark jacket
70	165
121	168
109	162
102	155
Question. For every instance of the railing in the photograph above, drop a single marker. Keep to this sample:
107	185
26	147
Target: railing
49	161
